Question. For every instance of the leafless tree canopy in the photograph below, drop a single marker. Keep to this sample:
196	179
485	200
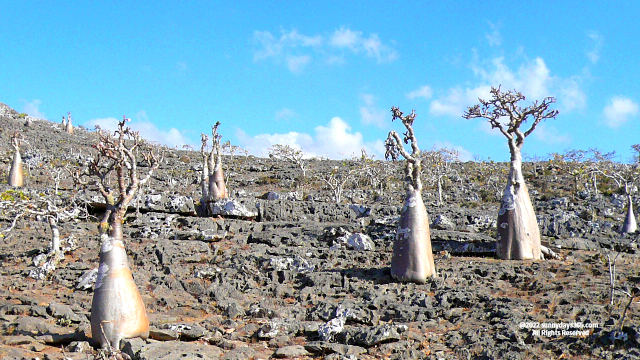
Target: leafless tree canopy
395	148
287	153
119	154
503	105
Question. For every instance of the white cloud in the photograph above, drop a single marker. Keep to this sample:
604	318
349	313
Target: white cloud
572	95
32	109
424	92
533	79
375	48
370	113
619	111
286	114
456	101
296	50
344	37
334	141
596	39
149	131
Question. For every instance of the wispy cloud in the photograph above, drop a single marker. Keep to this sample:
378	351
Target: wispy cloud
532	78
33	109
456	100
286	114
296	64
272	47
493	37
596	42
463	153
371	113
356	42
424	92
296	50
619	111
550	135
334	141
344	37
148	130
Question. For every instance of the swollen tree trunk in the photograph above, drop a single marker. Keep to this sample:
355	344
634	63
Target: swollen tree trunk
630	224
518	232
16	178
117	311
212	182
412	259
68	127
217	186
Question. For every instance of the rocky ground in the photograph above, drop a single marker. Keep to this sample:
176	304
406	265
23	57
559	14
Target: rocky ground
298	276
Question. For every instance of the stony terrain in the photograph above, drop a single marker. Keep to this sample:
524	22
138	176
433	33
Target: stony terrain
294	278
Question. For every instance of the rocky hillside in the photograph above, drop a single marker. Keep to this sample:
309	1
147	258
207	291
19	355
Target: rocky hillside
286	272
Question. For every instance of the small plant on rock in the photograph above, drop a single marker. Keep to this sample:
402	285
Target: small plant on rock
337	179
412	259
625	177
437	166
49	207
287	153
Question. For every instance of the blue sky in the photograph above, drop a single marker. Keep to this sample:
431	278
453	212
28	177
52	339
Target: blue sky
322	77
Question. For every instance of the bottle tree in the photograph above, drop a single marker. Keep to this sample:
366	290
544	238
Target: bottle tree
518	232
412	259
16	177
117	310
212	182
68	126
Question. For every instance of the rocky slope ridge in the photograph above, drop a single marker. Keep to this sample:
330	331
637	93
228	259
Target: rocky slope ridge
297	276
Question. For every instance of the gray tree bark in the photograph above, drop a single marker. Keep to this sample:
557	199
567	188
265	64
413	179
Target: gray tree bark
117	310
518	232
630	224
412	259
16	177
